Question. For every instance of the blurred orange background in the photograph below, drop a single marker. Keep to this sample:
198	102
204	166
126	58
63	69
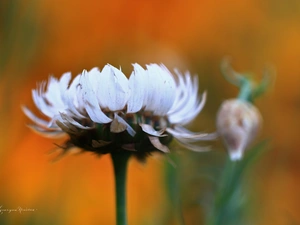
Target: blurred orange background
38	38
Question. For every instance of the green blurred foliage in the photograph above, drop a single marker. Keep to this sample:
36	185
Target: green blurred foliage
18	34
212	186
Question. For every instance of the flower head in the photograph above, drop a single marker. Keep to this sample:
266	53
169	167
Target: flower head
103	111
238	122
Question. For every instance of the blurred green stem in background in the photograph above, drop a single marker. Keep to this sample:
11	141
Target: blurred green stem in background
120	160
231	198
173	187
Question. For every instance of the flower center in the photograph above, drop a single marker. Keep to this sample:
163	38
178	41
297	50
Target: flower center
112	137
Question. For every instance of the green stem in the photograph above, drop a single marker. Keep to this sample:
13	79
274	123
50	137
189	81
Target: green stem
245	90
120	160
225	194
228	207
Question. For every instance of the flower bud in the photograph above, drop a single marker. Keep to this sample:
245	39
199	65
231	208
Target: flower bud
238	123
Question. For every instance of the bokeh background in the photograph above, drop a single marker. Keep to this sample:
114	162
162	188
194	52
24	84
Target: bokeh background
39	38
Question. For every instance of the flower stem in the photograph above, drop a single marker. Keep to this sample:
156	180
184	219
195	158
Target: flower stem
245	90
120	160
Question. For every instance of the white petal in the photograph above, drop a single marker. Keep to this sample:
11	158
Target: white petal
191	136
181	129
138	82
67	119
161	94
119	125
53	94
113	89
47	133
156	143
152	91
41	104
50	101
188	112
182	92
195	110
167	96
64	81
73	100
129	129
91	103
34	118
94	76
187	104
69	95
150	130
193	147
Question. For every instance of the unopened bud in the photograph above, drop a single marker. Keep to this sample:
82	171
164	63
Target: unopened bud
238	123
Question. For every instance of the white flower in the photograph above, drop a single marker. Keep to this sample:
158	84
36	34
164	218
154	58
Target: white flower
103	110
238	123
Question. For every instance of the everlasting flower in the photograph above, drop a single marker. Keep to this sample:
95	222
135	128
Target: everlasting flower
238	122
103	111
